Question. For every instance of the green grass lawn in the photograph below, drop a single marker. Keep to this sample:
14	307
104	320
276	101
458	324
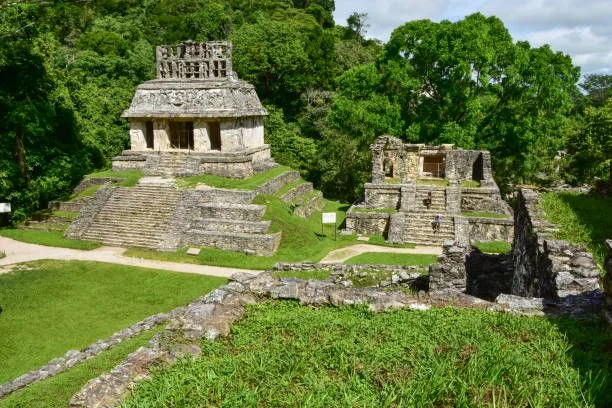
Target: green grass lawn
55	392
301	240
388	258
57	306
250	183
494	247
48	238
581	219
470	183
286	355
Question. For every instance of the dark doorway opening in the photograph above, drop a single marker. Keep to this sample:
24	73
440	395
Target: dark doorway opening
433	166
214	131
149	134
477	171
181	135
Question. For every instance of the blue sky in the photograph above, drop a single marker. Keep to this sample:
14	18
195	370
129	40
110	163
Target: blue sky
580	28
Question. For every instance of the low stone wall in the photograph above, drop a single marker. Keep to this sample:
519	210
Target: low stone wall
212	316
272	186
490	229
129	162
256	244
221	195
369	223
382	195
310	204
74	205
544	266
88	213
73	357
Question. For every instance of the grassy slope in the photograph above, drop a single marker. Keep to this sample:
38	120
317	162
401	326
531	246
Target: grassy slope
301	240
55	392
283	354
224	182
48	238
382	258
58	306
581	219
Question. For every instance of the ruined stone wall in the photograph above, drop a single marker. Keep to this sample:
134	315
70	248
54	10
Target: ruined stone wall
450	271
239	167
483	199
488	275
370	223
274	185
88	213
382	195
545	266
490	229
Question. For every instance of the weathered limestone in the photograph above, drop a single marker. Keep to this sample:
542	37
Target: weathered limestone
544	266
450	271
396	169
196	105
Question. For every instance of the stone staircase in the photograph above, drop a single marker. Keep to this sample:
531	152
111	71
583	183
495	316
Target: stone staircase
416	227
304	199
227	219
134	216
171	164
438	199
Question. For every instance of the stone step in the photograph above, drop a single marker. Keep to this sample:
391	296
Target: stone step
274	185
295	193
224	225
245	212
310	205
222	195
259	244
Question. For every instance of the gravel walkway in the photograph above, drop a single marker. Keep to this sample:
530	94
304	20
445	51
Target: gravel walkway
18	252
342	254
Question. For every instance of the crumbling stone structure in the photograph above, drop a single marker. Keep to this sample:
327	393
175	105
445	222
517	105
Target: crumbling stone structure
196	116
408	188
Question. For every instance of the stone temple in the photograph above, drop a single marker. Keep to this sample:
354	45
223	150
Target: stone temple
412	183
195	117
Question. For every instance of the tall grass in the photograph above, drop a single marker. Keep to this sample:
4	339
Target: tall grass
285	355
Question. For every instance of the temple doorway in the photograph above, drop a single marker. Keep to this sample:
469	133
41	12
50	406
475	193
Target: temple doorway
181	135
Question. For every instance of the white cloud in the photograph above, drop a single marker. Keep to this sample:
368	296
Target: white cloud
580	28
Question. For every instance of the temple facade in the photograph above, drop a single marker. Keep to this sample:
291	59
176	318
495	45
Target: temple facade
415	184
196	116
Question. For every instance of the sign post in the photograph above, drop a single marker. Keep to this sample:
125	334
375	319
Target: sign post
329	218
5	208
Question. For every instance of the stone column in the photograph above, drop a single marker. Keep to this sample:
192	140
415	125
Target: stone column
161	135
462	230
378	174
231	136
487	175
137	135
450	271
408	196
201	138
453	198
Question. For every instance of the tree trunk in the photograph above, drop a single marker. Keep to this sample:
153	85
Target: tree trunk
20	154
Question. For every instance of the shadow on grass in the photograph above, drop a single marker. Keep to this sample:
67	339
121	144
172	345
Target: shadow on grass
594	214
591	354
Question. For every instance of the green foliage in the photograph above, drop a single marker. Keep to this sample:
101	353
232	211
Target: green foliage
48	303
56	391
286	143
390	258
589	147
494	247
581	219
48	238
283	354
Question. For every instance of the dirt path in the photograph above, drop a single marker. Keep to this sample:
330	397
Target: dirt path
342	254
18	252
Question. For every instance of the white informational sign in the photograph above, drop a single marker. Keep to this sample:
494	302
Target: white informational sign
329	218
5	208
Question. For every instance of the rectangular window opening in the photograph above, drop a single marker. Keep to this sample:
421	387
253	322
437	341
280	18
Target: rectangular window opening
215	135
